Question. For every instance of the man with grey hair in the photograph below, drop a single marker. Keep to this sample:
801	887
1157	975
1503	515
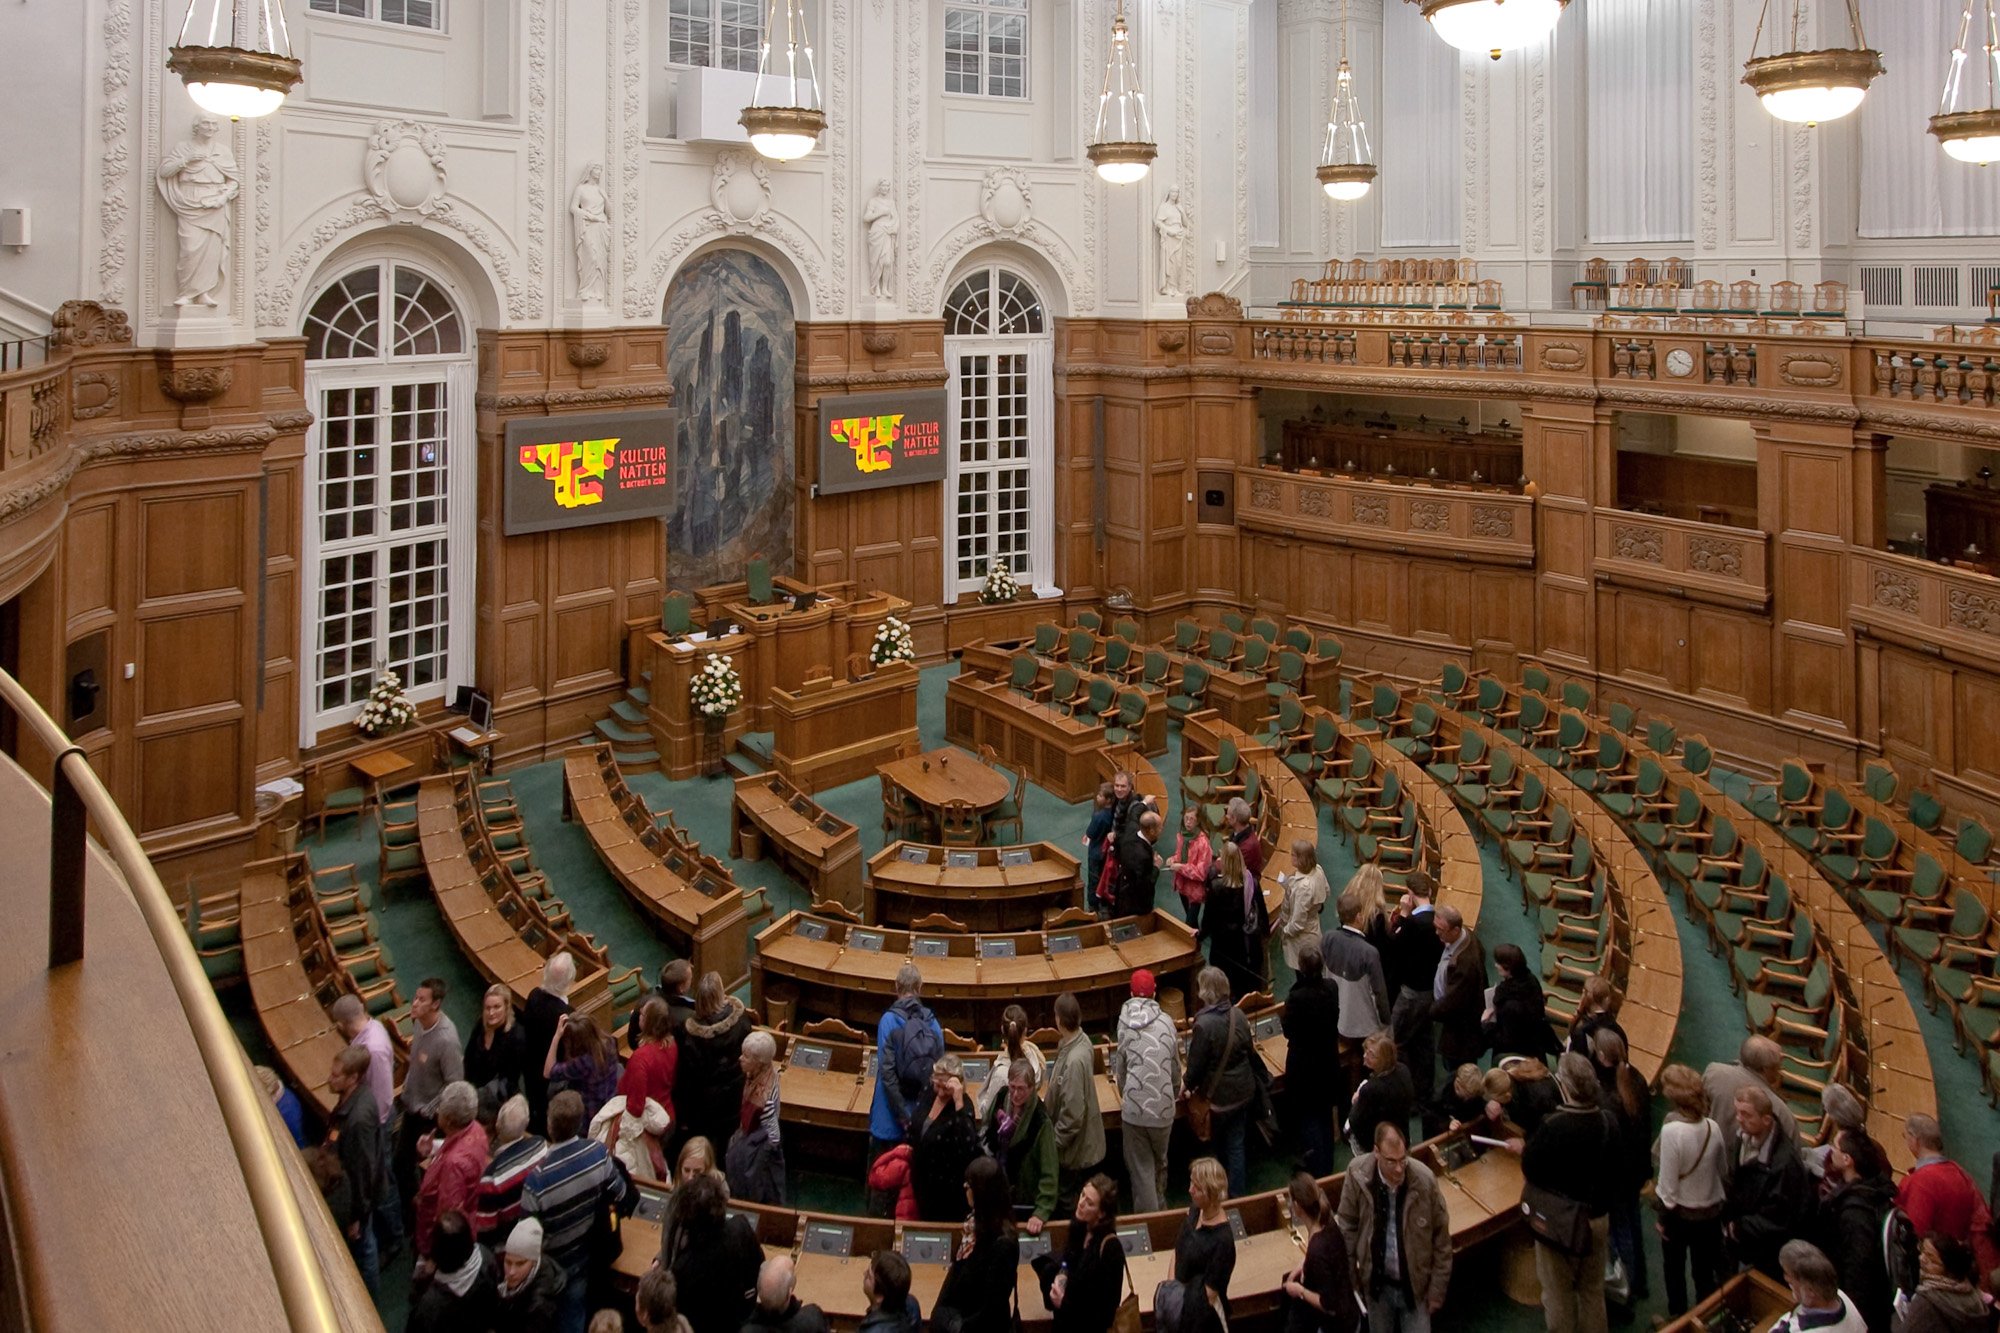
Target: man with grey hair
778	1307
456	1156
1758	1061
1822	1306
1767	1194
908	1041
755	1158
1567	1156
547	1003
1243	832
1458	990
516	1152
1937	1195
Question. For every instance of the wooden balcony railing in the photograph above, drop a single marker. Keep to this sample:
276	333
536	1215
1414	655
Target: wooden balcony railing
1702	560
1442	347
1472	523
34	410
1926	605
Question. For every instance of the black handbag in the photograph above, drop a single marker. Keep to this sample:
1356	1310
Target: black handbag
1557	1220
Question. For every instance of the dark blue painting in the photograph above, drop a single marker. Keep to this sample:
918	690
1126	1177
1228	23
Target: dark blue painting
730	349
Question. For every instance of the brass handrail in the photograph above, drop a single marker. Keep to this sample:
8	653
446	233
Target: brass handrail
77	790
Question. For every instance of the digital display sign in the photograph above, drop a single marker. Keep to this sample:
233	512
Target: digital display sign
871	440
572	471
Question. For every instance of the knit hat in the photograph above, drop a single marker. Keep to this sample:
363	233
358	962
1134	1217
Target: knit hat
1143	984
525	1240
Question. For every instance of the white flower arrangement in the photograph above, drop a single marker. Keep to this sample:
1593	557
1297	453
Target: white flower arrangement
716	688
388	708
892	643
1000	585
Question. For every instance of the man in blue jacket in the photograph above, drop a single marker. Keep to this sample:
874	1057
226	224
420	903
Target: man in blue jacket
896	1055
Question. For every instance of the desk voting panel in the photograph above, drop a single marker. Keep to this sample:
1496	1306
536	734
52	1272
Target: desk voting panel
982	888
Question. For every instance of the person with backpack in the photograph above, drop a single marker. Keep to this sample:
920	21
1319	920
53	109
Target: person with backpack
1567	1185
908	1041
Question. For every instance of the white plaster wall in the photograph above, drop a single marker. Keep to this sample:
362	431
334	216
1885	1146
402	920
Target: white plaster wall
46	159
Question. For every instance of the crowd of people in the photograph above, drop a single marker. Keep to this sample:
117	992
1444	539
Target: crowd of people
506	1159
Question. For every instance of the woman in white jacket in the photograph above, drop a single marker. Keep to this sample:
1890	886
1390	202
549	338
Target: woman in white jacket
1305	898
625	1135
1688	1188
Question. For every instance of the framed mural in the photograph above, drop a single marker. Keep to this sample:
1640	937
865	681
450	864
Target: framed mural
731	346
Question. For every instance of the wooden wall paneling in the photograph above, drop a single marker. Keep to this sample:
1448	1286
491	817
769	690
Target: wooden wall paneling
1562	444
1806	470
1440	603
1651	634
1727	660
1502	611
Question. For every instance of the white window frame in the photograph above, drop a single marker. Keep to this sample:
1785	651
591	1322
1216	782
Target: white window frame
373	14
714	21
1040	462
458	372
987	13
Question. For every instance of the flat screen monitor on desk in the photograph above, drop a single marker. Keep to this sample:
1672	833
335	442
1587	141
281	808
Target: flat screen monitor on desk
718	627
480	711
804	601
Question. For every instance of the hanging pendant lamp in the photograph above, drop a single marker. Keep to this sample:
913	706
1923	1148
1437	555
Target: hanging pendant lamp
784	118
1346	166
236	71
1122	144
1971	134
1489	27
1807	87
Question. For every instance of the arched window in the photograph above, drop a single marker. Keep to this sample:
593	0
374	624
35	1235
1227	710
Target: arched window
389	498
1000	487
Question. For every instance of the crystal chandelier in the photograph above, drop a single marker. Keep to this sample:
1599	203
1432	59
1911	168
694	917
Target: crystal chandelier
235	73
1488	27
1807	87
785	122
1122	146
1972	134
1346	166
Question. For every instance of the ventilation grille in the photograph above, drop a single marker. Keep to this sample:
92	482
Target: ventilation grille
1882	284
1985	277
1936	285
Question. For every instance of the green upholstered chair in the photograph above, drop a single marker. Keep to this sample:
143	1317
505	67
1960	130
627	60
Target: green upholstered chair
677	615
759	579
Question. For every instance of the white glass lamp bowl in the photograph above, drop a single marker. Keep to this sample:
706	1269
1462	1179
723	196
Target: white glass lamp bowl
1489	27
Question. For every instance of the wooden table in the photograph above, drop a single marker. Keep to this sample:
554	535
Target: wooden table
933	780
378	766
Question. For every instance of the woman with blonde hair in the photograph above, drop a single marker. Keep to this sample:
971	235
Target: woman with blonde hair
1387	1094
1224	927
1305	898
1206	1246
697	1159
1688	1189
496	1054
1370	892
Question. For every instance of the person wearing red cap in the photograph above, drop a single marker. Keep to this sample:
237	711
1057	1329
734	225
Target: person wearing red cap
1146	1066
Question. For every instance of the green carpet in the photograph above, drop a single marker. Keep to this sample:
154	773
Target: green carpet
1712	1020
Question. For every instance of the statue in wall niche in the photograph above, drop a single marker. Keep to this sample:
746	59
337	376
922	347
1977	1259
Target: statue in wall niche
198	178
880	222
1171	224
589	214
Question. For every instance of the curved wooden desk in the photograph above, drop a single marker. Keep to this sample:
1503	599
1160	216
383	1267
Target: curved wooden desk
817	967
506	934
692	898
1482	1197
819	848
983	888
1058	751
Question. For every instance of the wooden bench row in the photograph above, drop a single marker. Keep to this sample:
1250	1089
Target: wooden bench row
290	951
977	888
692	899
817	847
809	966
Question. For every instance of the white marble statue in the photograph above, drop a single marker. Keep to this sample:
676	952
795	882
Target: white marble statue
588	214
880	222
198	179
1171	224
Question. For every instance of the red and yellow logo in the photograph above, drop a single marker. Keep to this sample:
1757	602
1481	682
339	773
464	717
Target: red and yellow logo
576	467
870	438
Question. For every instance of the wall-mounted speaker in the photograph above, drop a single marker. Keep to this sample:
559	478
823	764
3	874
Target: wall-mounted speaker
1215	497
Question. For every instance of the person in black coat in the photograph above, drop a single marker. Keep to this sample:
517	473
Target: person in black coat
450	1302
708	1078
713	1254
1314	1087
1766	1195
1224	927
979	1289
1518	1023
496	1056
1139	867
1857	1195
676	980
1319	1293
1083	1287
1387	1094
547	1003
944	1140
